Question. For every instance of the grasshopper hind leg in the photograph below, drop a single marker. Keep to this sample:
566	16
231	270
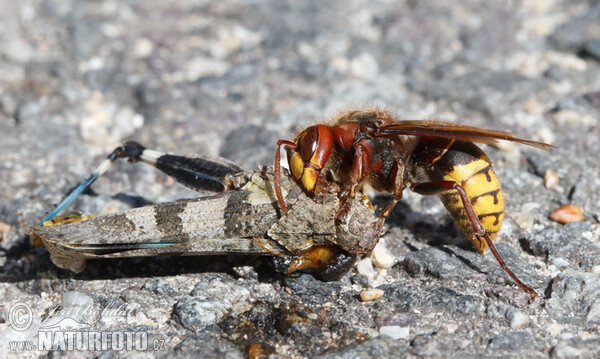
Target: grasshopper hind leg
199	174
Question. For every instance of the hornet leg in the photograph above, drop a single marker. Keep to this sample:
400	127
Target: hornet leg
431	188
277	170
360	169
398	173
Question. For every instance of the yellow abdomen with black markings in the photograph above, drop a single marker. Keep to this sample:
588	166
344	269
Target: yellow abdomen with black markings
467	165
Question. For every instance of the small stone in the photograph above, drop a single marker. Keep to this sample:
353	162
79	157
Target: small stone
382	257
364	66
201	67
4	229
76	299
550	178
18	50
554	328
533	107
567	117
143	48
159	286
360	280
526	218
593	314
198	312
340	63
222	289
546	135
232	39
243	271
511	341
517	318
560	262
567	214
566	336
399	319
8	105
567	61
576	348
365	267
371	294
107	123
451	327
395	331
515	297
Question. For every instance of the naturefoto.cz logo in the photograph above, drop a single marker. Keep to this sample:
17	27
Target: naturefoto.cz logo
66	333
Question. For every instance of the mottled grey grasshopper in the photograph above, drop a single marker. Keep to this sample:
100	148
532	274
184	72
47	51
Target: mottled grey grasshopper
244	218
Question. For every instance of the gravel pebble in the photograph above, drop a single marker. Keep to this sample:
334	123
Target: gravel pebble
159	286
567	214
513	341
4	229
517	319
224	290
576	348
395	332
197	312
371	294
365	267
77	299
550	178
382	257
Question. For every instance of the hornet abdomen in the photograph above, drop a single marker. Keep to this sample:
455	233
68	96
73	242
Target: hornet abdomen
467	165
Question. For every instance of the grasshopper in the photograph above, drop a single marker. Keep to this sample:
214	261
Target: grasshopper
243	217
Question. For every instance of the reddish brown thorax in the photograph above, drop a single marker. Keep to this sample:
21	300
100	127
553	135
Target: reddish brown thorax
346	135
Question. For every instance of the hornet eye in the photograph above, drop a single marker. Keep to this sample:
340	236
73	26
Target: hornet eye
308	143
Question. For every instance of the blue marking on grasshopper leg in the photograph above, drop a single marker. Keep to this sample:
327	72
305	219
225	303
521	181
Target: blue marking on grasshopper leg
70	198
84	185
203	176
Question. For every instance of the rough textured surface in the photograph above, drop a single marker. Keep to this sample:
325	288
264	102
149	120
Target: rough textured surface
229	78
